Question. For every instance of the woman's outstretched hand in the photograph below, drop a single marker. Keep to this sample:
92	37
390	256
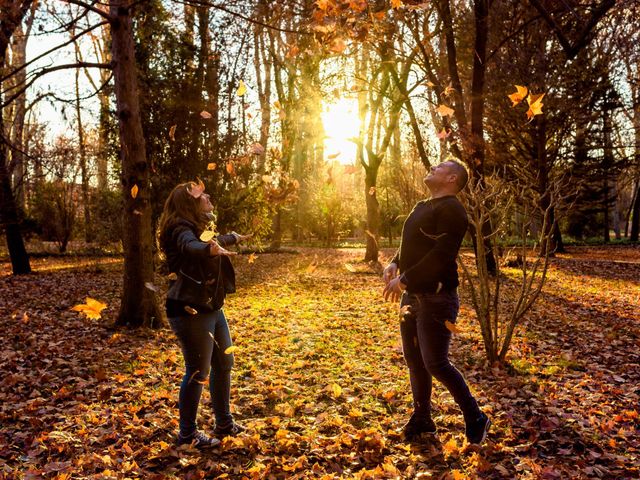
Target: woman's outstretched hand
216	249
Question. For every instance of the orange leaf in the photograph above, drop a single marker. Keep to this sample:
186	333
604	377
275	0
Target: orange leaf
338	45
172	276
91	308
535	105
452	326
396	4
519	95
349	169
211	166
444	133
252	258
444	110
172	133
190	310
134	191
230	168
196	189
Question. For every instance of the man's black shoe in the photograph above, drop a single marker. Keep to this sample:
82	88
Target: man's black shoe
476	430
415	427
231	430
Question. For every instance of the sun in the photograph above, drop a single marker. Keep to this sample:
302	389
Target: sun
341	122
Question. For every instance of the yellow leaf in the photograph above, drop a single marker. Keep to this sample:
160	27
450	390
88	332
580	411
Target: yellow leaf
336	390
396	4
535	105
134	191
252	258
451	447
242	89
452	326
207	235
277	105
91	308
172	132
267	178
211	166
333	155
350	267
204	114
444	110
190	310
519	95
230	350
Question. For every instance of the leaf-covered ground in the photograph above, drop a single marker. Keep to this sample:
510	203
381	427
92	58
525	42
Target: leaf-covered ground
319	379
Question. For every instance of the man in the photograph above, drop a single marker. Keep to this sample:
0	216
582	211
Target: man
426	259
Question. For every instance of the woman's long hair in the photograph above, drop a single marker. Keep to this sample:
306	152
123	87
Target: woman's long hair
181	205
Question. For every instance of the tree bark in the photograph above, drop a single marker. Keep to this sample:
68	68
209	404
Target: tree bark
139	306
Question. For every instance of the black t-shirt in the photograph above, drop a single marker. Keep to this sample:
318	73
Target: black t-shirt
431	237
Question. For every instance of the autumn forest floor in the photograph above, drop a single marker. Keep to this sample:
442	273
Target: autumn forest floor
319	379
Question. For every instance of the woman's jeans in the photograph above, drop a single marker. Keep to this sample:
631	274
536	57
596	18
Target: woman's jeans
204	338
425	343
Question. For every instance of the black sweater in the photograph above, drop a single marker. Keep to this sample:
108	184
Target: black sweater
431	238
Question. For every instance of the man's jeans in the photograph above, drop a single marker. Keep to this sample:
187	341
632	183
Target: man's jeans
204	338
425	343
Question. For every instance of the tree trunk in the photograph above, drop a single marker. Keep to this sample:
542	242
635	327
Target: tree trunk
84	174
139	306
635	216
373	213
19	55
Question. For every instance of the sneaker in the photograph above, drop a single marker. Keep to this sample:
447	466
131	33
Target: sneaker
198	440
476	431
415	427
232	430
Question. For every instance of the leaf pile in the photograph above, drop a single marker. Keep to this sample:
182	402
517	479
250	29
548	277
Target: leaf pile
319	379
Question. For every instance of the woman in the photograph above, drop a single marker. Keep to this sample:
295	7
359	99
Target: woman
203	276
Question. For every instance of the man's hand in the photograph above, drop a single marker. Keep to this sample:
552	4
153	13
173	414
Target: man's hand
241	238
216	249
393	290
390	273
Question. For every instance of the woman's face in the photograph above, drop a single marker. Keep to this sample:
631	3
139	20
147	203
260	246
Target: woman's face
205	203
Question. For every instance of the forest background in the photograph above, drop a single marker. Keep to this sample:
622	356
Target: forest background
312	124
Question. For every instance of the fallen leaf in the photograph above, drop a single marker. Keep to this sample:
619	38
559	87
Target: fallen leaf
252	258
91	308
350	267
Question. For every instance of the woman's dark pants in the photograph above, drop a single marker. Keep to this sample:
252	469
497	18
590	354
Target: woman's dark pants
425	343
204	338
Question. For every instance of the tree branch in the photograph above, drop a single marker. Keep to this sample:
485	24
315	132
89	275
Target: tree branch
90	6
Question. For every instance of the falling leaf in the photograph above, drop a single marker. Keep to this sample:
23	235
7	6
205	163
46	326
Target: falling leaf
444	110
242	89
252	258
91	308
196	189
350	267
535	105
444	133
230	350
333	155
204	114
277	105
293	51
338	45
452	326
372	191
448	90
231	168
396	4
207	235
256	149
336	390
172	276
519	95
134	191
190	310
211	166
350	169
151	287
172	133
458	475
